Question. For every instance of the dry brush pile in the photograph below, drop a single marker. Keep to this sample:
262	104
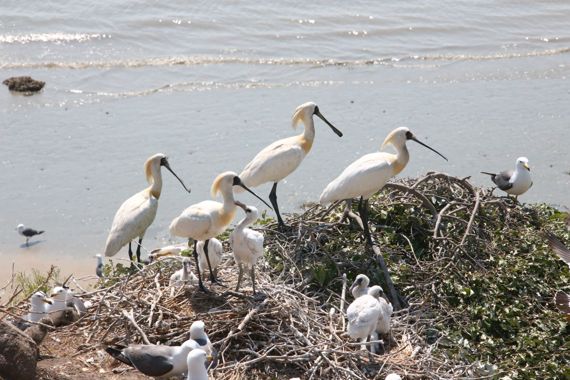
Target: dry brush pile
470	272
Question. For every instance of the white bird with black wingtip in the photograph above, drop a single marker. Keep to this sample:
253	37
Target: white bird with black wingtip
514	182
27	232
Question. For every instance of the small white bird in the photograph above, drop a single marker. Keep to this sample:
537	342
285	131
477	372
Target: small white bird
99	268
137	213
197	361
27	232
363	314
515	182
182	277
38	307
367	175
383	326
208	219
278	160
360	286
215	251
59	299
247	244
198	334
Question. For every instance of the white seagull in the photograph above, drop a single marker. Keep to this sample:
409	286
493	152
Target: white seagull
363	314
162	362
360	286
515	182
137	213
27	232
247	244
367	175
196	362
38	307
208	219
281	158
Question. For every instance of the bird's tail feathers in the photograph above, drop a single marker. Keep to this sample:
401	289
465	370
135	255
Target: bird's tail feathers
40	232
118	354
491	174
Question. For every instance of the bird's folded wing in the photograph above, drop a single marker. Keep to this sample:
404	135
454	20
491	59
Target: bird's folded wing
502	180
151	360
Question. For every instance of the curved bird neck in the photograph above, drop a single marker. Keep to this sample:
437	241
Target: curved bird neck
154	178
401	158
244	223
306	138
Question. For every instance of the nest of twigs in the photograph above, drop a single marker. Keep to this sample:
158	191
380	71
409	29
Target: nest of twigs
436	255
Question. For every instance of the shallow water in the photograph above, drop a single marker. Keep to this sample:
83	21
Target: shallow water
212	84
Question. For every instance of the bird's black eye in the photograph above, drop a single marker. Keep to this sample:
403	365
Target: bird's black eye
237	181
247	210
409	135
316	111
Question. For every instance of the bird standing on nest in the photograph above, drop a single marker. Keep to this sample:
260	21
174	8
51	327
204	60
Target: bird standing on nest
515	182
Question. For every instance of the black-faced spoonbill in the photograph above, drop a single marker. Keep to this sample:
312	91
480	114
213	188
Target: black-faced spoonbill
515	182
208	219
27	232
360	286
367	175
137	213
247	244
363	314
281	158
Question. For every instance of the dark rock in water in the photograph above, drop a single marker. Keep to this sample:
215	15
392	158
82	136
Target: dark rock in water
18	354
24	84
39	332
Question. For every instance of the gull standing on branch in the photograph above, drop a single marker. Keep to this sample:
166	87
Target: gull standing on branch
247	244
137	213
281	158
27	232
208	219
368	175
515	182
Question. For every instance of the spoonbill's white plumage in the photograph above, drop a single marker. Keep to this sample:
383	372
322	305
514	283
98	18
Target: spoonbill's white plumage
169	250
215	251
281	158
182	277
208	219
196	362
247	244
99	267
515	182
137	213
360	286
367	175
383	326
363	314
27	232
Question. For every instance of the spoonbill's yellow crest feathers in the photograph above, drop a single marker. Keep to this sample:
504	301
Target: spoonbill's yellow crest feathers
396	138
216	185
302	112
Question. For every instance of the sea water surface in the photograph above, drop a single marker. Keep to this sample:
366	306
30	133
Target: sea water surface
211	83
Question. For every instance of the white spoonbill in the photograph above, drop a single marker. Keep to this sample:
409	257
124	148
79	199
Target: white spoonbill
247	244
281	158
182	277
363	314
208	219
215	251
197	361
383	326
360	286
515	182
137	213
369	174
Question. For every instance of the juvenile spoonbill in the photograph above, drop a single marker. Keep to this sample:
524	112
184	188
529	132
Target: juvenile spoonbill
360	286
27	232
197	361
99	267
215	251
182	277
247	244
363	314
515	182
208	219
281	158
137	213
369	174
383	325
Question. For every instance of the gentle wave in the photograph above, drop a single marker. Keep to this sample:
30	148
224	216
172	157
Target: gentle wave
57	38
221	60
